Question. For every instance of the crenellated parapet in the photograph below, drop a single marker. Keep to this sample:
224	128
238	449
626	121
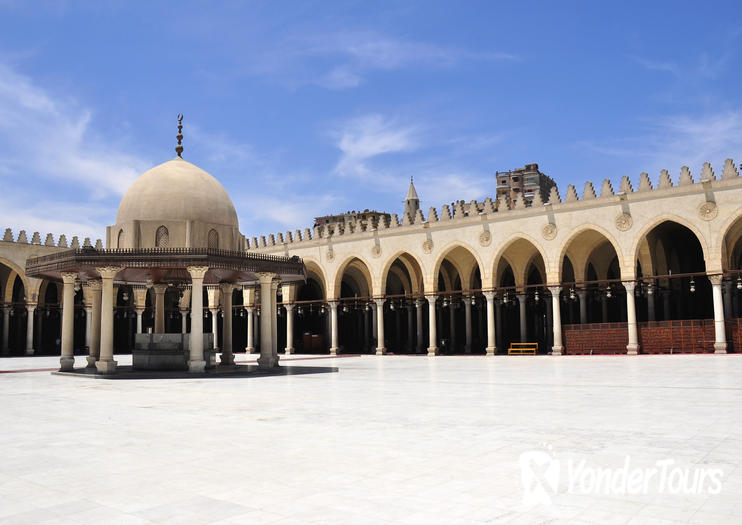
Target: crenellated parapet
49	240
503	206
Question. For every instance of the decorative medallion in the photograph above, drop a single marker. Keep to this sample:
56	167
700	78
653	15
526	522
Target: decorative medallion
428	246
376	250
485	238
549	231
708	211
624	222
330	255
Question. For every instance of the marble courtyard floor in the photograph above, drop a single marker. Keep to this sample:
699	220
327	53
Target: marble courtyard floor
381	440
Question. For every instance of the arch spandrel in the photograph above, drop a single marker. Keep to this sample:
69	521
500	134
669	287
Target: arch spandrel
458	260
363	267
728	235
515	250
581	246
633	255
414	266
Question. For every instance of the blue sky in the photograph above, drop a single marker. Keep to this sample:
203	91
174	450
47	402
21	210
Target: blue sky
307	108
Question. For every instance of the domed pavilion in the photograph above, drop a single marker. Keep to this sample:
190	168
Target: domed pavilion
176	226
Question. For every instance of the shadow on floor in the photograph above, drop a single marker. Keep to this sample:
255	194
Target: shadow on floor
237	371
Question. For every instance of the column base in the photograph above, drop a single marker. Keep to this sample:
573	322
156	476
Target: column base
632	349
196	367
289	351
267	362
433	350
91	361
467	349
106	367
333	351
491	350
380	350
720	348
29	351
250	349
226	360
66	363
557	350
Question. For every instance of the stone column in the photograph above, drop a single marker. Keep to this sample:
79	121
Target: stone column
197	363
728	295
650	305
160	290
633	347
95	315
374	322
467	322
720	336
250	348
603	308
183	320
289	329
498	322
582	294
267	358
366	331
556	314
380	347
105	363
432	335
273	312
88	322
227	358
491	336
6	329
67	359
333	327
30	309
139	312
419	310
410	329
522	317
452	325
215	326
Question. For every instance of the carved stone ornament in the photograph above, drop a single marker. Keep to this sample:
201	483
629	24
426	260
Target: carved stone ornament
428	246
708	211
624	222
330	255
485	238
549	231
376	250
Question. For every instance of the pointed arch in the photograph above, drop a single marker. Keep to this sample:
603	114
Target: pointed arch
413	265
358	268
162	237
517	251
581	247
633	255
463	257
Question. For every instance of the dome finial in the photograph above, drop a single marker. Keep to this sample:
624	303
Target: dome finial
179	147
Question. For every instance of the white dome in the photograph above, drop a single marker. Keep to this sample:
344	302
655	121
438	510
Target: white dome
177	191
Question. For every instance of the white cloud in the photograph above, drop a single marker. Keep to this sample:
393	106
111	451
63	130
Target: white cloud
50	136
679	140
370	136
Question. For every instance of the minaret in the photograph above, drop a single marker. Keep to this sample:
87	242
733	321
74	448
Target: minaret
411	202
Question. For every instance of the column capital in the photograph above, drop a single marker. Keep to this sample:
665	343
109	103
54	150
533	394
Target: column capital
140	310
249	308
490	296
226	287
419	302
716	279
69	277
555	289
289	306
379	301
197	272
108	272
266	277
94	285
32	306
160	288
629	286
431	297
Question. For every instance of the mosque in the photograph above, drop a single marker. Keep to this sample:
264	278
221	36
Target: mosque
651	269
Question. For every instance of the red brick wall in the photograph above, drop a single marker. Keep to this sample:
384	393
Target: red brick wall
680	337
658	337
734	335
601	338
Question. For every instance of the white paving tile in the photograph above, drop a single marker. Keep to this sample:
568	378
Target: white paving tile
382	440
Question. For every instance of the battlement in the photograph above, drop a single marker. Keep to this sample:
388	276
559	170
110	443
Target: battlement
492	208
61	241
